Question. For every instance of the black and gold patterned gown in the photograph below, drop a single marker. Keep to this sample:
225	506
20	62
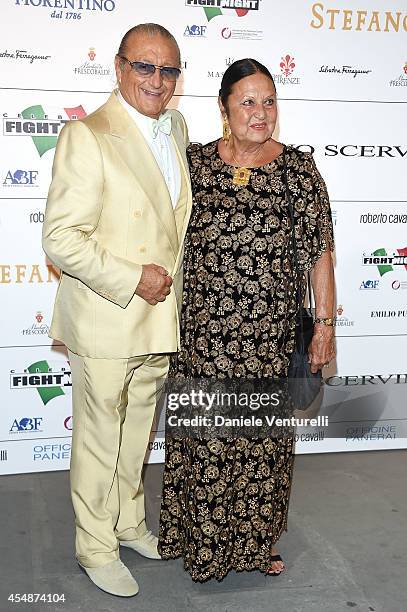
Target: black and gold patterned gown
225	501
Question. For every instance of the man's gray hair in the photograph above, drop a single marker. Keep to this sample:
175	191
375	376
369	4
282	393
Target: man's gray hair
151	29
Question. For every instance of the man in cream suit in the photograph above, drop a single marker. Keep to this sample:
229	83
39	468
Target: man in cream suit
117	212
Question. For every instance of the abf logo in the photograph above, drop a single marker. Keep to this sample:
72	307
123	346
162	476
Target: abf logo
21	178
34	122
26	424
213	8
45	380
195	30
369	284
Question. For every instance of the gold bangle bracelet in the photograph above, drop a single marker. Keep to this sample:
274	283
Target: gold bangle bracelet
329	321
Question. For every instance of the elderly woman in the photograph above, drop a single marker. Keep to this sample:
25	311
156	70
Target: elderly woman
225	501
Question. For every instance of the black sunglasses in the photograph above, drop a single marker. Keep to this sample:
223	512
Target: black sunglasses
167	72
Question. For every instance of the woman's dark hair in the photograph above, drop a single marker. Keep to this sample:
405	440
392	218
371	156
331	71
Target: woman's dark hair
151	29
237	71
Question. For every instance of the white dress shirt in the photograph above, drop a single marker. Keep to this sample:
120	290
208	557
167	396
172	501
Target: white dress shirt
162	147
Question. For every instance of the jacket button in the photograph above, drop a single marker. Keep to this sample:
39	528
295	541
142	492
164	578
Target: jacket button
142	249
137	214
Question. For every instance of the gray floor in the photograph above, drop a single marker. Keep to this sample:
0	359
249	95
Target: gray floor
345	548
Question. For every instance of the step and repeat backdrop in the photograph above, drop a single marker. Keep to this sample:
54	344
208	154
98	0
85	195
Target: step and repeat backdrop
341	75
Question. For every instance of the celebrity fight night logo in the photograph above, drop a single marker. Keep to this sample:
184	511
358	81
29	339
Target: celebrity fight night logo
386	260
36	123
49	383
214	8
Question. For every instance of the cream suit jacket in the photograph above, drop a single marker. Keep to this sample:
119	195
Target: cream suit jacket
108	212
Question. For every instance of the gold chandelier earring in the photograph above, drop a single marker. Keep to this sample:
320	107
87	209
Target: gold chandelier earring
226	130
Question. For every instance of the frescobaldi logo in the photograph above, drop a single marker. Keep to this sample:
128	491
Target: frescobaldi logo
341	320
386	260
213	8
38	327
45	380
401	80
34	122
92	68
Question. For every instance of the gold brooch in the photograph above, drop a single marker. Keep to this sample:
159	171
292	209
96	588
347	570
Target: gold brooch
241	176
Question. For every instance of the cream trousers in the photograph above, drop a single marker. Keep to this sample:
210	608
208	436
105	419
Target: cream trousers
113	409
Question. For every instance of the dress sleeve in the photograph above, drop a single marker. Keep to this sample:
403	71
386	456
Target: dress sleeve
314	231
194	154
194	157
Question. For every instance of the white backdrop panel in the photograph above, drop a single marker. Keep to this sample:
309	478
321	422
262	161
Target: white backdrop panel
36	408
29	139
341	77
307	32
358	155
371	298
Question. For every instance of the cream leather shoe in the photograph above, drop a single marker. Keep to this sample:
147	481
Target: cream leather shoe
113	578
146	545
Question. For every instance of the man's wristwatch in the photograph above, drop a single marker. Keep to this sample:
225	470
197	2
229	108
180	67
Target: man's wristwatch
329	321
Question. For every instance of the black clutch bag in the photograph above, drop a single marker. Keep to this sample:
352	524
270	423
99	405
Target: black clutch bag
303	385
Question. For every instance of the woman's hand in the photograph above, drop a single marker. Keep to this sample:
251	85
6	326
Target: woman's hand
322	347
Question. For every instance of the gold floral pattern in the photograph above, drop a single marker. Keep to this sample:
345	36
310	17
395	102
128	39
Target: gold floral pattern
225	501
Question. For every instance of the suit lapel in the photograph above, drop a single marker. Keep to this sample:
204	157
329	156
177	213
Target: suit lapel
140	160
184	203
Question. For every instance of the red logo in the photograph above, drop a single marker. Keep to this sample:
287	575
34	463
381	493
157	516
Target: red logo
226	33
39	317
91	54
287	65
405	68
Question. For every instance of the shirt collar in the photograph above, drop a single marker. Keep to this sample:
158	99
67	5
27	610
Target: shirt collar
144	123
